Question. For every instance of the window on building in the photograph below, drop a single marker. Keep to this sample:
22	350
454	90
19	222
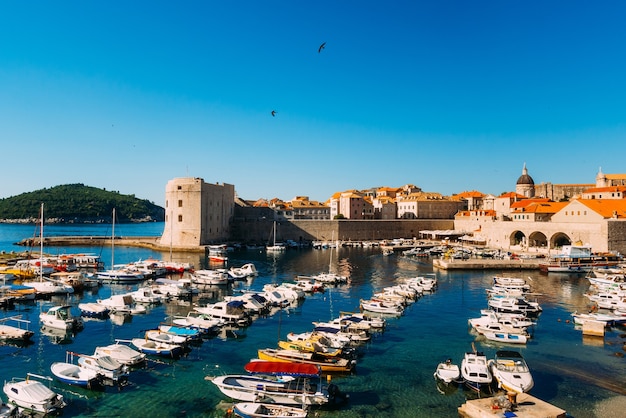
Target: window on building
180	218
180	203
180	187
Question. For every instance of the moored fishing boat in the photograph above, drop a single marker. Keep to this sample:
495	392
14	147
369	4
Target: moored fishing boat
157	348
475	371
281	382
327	364
447	372
267	410
61	317
32	396
72	374
511	371
122	353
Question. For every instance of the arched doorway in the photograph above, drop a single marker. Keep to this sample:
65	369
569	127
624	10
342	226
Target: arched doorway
518	238
537	239
559	239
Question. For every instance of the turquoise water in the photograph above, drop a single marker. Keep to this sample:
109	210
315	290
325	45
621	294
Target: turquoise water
394	371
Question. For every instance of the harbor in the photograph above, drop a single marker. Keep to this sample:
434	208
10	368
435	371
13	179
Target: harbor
393	376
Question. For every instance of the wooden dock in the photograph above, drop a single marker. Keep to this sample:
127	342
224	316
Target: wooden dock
487	264
527	406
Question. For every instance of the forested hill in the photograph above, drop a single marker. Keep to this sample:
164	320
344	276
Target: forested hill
77	203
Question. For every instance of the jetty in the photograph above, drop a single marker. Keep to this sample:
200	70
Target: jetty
524	405
487	264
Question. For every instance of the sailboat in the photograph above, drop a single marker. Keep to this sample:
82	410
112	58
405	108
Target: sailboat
276	247
46	286
121	273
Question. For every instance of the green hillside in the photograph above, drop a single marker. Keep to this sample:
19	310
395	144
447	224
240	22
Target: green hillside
77	203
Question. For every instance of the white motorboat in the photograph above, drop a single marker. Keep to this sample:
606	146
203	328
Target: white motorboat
517	305
281	382
61	317
182	288
105	366
232	312
447	372
210	277
242	272
267	410
32	396
381	307
609	319
511	371
475	371
122	304
158	348
93	310
45	286
146	294
165	337
203	322
122	353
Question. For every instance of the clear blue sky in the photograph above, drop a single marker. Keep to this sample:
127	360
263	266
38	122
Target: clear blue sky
446	95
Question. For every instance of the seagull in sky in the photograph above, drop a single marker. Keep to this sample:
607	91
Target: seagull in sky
321	47
273	113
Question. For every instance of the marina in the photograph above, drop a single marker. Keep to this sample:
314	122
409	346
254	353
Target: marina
394	372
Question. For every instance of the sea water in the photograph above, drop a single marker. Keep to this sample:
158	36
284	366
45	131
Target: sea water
394	374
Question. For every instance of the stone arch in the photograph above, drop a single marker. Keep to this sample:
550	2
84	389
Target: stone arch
537	239
517	238
560	239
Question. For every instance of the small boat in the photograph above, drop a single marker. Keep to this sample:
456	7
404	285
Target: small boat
381	307
158	348
203	322
72	374
511	371
325	364
447	372
61	317
32	396
122	353
123	304
263	410
165	337
475	371
188	333
109	369
93	310
505	337
281	383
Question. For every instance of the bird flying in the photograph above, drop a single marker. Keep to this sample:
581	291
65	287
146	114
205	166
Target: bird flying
321	47
273	113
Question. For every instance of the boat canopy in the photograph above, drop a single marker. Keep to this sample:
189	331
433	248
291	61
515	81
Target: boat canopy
282	368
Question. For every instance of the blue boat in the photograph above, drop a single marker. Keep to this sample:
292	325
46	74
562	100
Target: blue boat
157	348
72	374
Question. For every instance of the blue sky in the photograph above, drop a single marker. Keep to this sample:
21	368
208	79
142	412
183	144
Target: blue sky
447	95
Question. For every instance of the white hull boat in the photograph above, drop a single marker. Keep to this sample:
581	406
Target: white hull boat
448	372
267	410
475	371
511	371
282	383
122	353
32	396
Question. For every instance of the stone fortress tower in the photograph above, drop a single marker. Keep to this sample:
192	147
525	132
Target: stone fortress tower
525	184
197	213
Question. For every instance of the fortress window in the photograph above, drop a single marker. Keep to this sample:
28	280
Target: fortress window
180	203
180	218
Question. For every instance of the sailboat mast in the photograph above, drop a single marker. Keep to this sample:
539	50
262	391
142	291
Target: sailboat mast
113	242
41	245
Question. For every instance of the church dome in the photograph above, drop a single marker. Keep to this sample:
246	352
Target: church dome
525	179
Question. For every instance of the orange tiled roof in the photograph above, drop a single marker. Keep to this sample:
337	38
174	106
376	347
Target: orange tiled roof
472	193
606	189
543	207
607	208
528	201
